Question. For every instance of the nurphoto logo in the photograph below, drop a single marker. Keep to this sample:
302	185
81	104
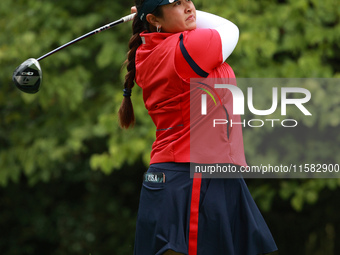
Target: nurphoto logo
285	122
290	96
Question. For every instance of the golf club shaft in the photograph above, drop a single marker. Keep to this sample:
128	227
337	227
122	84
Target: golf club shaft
107	26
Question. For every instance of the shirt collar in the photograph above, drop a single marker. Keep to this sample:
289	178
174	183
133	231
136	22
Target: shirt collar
153	39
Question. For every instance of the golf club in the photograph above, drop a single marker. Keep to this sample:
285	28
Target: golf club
28	76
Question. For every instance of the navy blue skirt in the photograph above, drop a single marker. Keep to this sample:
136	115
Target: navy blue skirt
229	221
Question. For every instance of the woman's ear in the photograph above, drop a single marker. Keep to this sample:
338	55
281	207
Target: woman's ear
153	20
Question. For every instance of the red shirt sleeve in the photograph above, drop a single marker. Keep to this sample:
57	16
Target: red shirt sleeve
198	52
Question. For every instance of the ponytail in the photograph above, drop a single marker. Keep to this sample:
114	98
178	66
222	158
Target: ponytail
125	113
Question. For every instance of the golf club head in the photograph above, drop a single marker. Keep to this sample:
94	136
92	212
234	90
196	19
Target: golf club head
27	77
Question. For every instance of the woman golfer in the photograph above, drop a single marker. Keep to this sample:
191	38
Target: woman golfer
172	43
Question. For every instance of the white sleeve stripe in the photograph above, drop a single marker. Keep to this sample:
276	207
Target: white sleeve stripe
229	37
227	30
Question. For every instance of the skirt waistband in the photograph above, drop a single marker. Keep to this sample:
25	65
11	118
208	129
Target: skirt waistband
172	166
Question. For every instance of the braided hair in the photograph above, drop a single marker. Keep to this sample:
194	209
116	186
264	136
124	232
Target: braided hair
126	113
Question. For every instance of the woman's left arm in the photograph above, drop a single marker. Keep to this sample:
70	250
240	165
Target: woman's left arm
227	30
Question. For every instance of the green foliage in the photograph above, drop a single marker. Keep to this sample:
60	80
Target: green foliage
83	212
53	140
79	97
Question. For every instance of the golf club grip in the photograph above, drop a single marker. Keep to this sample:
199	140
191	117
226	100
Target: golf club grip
100	29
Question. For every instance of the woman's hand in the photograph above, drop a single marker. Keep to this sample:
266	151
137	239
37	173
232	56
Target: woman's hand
133	9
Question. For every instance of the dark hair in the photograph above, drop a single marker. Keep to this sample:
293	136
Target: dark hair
125	113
